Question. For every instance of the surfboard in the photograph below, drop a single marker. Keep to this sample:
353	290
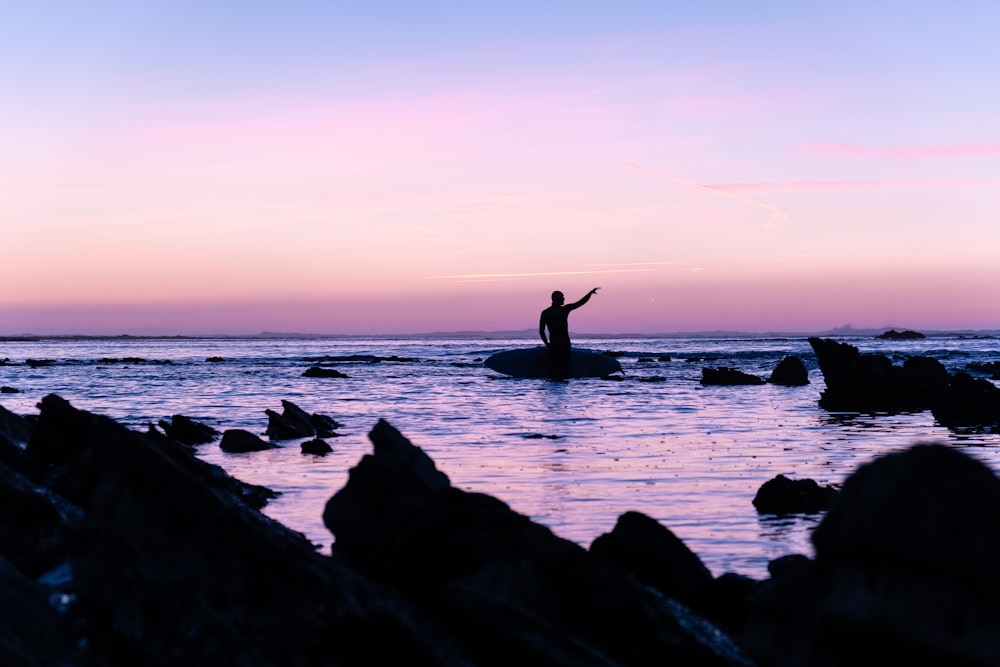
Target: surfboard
532	362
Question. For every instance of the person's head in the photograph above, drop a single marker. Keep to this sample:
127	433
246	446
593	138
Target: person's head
557	298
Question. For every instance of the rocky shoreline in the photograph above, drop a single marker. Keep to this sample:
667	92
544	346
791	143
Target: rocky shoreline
121	547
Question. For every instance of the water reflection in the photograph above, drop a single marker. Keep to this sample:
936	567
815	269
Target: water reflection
789	533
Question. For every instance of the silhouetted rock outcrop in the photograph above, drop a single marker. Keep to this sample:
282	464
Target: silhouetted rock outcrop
241	441
515	591
969	403
790	372
149	562
188	431
122	548
15	431
905	571
317	447
991	368
892	334
657	558
294	422
871	383
781	495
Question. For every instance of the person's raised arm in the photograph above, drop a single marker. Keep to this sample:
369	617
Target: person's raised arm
585	299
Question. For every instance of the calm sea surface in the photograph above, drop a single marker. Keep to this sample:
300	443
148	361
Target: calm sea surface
571	455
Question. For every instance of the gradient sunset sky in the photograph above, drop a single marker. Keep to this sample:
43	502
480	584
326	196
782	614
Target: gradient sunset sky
404	167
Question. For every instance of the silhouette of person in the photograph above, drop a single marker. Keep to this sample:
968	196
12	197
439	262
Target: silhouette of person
555	319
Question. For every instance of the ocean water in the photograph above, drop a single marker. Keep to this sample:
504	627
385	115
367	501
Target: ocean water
571	455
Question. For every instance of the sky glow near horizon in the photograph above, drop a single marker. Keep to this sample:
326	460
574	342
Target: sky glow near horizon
180	167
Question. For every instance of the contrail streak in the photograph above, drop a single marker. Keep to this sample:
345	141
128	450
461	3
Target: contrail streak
499	276
777	213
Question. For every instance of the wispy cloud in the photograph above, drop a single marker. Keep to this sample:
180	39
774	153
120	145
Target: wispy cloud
826	186
475	277
777	213
945	151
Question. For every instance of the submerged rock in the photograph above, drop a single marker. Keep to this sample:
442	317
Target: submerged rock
322	372
724	375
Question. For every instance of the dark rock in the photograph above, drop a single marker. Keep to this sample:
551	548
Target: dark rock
325	425
991	368
871	383
215	360
514	591
781	495
121	548
970	402
254	495
727	376
317	447
658	558
55	439
321	372
790	372
294	422
237	440
293	412
15	431
285	427
858	382
39	363
892	334
34	628
188	431
905	571
164	567
35	537
9	390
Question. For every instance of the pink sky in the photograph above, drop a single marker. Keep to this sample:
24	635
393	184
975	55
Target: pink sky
793	171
